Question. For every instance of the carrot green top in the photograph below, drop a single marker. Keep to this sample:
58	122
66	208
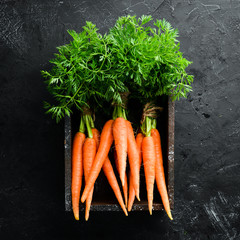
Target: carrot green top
80	73
148	59
137	55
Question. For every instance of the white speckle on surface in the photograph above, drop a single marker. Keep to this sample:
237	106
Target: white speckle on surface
12	33
192	10
220	221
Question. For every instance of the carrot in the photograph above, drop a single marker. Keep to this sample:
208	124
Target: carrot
131	192
77	171
120	140
96	136
89	152
159	174
133	157
125	187
149	159
139	139
106	141
109	173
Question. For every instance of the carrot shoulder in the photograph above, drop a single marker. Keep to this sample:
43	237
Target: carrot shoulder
149	159
133	157
160	176
106	141
77	171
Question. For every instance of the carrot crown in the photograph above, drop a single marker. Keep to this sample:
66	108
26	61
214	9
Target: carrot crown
88	122
149	118
120	106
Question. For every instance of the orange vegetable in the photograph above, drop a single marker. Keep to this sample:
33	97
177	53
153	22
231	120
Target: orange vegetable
160	176
89	152
77	171
133	157
106	141
139	139
96	136
125	187
109	173
149	159
120	141
131	193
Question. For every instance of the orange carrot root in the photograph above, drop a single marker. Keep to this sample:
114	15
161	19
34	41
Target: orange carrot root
125	187
120	141
109	173
89	152
106	141
77	171
133	157
160	176
149	156
139	139
131	193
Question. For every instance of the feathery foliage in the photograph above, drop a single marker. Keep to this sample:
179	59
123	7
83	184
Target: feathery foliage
148	59
80	74
135	56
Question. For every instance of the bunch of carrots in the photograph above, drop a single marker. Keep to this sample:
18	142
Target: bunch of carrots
94	70
84	155
91	155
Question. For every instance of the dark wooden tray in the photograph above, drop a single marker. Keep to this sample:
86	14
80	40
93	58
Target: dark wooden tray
103	198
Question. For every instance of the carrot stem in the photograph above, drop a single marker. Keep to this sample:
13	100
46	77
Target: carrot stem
87	121
148	123
81	126
119	111
154	123
91	122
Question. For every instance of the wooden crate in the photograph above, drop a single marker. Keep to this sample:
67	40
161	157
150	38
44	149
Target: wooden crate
103	197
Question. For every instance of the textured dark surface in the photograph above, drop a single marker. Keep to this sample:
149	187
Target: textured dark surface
103	198
207	126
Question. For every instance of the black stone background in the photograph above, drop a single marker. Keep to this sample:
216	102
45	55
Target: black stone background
207	146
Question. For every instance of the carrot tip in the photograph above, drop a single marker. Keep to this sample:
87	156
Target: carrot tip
87	214
76	213
150	207
137	196
170	215
125	211
83	199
